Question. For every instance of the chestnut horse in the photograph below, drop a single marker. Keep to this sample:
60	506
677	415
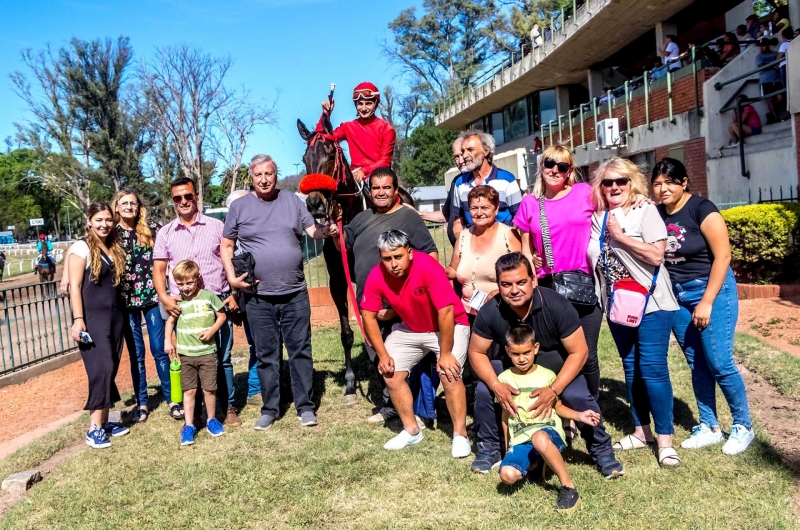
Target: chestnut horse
323	155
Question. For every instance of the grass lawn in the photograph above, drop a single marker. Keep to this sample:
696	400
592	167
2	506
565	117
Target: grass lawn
337	475
776	366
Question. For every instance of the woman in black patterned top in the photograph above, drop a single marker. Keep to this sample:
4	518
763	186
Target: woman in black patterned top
137	235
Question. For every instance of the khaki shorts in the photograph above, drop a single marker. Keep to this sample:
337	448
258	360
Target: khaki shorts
202	368
407	348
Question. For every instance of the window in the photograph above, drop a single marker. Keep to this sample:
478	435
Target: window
547	106
477	125
533	112
515	120
497	128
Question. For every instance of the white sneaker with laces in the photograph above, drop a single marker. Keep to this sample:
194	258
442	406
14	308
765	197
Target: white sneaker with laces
402	440
702	436
738	440
461	447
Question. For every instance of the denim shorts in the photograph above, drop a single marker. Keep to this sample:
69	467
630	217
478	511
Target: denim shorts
523	456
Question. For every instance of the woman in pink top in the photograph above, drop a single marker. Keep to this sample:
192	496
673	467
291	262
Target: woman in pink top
568	209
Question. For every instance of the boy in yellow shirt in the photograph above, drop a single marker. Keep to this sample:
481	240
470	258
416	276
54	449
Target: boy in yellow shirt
531	440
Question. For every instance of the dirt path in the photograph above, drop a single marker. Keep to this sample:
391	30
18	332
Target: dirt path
774	320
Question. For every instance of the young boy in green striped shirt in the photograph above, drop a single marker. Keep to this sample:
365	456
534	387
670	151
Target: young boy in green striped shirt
195	329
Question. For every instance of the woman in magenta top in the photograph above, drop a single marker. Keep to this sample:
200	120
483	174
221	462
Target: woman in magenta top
568	208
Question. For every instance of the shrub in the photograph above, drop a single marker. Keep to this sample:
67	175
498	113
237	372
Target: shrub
764	240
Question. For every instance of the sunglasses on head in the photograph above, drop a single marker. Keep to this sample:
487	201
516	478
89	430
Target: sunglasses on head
563	167
620	182
184	197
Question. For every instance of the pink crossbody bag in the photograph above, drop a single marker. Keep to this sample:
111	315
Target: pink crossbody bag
628	300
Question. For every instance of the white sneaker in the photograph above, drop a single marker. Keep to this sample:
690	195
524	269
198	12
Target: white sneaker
461	447
738	440
404	439
702	436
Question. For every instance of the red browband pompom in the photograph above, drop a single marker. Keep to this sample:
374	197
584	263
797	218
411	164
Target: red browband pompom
317	182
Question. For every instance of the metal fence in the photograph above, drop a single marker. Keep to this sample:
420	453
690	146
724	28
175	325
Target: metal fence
314	262
36	325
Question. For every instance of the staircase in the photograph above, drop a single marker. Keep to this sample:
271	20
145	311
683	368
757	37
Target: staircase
773	136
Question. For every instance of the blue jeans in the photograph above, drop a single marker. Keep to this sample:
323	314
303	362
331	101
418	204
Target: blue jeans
135	344
224	365
644	359
253	386
710	352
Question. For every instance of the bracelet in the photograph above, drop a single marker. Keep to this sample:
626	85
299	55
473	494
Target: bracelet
556	393
76	318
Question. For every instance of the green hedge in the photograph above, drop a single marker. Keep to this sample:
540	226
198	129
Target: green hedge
764	241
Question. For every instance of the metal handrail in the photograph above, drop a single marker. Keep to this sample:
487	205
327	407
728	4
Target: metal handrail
720	85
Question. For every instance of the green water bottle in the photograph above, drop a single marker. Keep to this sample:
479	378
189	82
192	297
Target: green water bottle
176	392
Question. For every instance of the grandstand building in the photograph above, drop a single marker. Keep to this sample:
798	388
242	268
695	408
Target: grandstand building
591	86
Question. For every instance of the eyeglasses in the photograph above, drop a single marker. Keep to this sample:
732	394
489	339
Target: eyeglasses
563	167
365	94
177	199
129	204
620	182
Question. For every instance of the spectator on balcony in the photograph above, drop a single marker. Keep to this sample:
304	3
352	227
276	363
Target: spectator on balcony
763	30
751	25
787	35
659	70
536	36
780	20
671	51
478	152
730	48
768	79
742	36
751	123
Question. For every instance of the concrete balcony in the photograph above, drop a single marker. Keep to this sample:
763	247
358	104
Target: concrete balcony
600	29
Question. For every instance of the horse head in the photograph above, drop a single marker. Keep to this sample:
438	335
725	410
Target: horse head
321	157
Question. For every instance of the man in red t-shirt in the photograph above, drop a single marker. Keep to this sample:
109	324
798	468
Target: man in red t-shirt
415	285
370	139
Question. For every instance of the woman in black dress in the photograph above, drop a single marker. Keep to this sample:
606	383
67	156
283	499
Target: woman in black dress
95	265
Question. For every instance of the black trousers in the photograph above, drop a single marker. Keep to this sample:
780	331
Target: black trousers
273	317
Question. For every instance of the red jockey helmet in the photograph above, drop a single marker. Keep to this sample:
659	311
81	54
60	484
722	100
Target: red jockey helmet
367	90
42	236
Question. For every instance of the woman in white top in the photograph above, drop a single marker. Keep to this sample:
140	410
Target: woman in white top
629	243
478	248
95	266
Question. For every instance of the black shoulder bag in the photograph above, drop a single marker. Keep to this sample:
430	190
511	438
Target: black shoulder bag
576	286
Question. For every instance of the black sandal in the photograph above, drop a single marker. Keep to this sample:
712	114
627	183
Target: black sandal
176	411
141	415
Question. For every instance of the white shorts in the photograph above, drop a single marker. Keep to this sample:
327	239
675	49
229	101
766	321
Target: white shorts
407	348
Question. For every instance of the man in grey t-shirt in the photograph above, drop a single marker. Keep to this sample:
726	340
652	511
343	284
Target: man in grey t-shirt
268	223
361	235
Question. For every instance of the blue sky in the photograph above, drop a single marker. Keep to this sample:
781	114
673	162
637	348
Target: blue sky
296	46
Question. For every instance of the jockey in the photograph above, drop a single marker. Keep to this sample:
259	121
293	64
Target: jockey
370	139
45	247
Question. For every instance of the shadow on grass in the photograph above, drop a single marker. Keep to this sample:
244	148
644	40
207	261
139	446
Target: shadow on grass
614	406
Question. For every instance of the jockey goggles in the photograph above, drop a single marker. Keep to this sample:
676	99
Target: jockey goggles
365	93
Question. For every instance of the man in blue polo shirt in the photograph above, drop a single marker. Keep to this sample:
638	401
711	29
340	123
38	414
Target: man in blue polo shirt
477	150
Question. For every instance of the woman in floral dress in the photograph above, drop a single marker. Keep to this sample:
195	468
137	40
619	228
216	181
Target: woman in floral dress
137	235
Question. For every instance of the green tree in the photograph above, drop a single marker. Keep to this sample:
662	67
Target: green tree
431	155
445	48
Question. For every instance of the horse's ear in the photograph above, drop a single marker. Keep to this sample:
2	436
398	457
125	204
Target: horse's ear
305	134
327	127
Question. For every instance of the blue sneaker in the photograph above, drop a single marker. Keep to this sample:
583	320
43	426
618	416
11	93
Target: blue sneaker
215	428
96	438
113	428
187	434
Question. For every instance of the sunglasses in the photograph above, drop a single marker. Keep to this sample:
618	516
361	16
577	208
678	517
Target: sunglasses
177	199
563	167
620	182
365	94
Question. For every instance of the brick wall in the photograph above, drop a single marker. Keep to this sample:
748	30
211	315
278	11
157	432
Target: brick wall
682	100
694	158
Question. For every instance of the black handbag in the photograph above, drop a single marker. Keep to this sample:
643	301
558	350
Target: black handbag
244	263
576	286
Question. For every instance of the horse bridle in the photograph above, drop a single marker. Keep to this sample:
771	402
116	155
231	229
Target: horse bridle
339	171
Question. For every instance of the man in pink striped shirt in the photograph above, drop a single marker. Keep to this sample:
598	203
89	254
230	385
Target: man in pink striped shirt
197	237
